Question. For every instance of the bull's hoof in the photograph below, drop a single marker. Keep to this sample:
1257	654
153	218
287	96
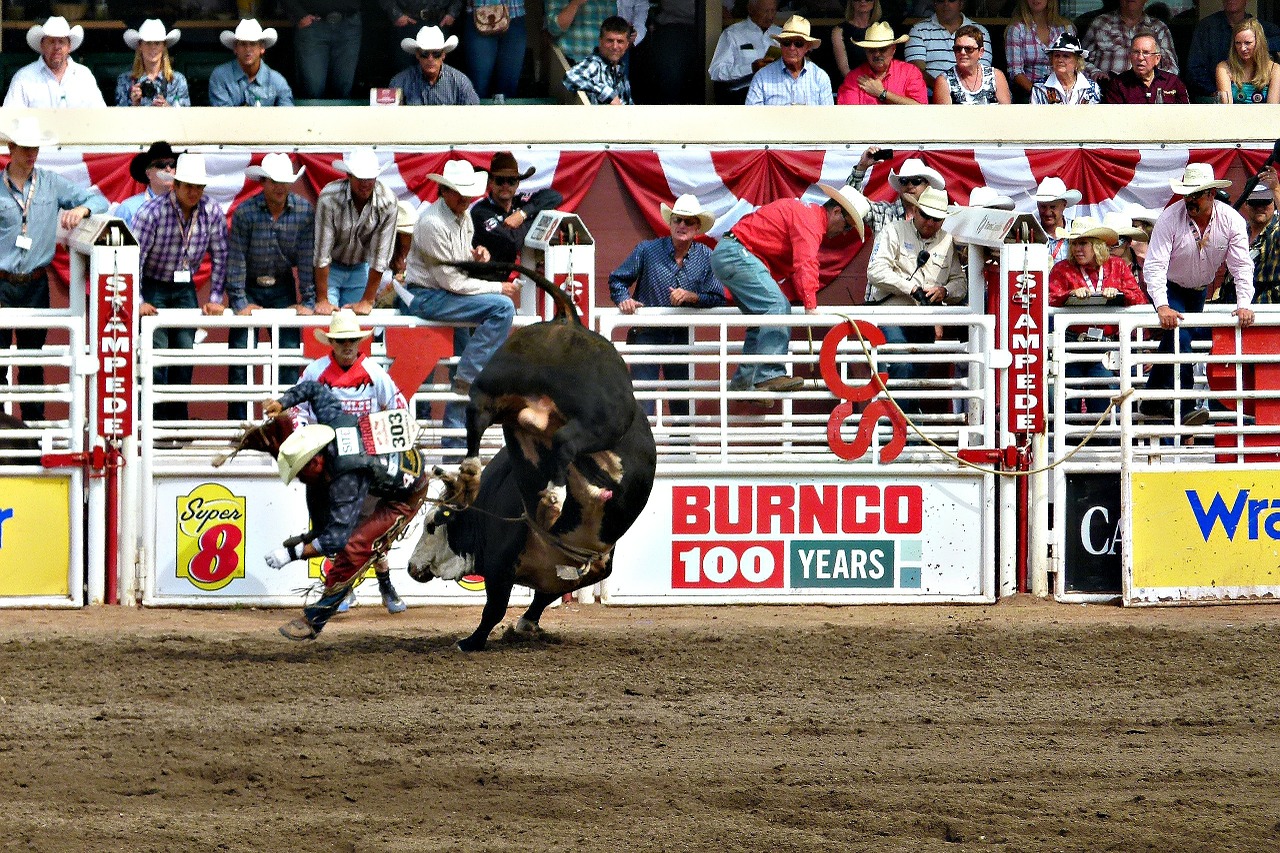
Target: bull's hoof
525	628
471	644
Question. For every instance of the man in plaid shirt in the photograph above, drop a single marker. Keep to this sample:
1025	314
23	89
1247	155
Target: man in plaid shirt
602	76
175	232
1110	38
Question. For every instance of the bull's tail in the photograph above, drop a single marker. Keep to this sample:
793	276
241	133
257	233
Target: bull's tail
565	307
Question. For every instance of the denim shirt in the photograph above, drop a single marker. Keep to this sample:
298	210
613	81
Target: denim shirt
229	86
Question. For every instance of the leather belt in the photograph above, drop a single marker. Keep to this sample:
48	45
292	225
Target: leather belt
23	277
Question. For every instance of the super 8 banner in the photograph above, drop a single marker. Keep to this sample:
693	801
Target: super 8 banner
729	181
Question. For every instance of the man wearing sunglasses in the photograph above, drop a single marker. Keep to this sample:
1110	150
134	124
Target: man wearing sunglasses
153	169
432	83
504	216
1264	244
1189	242
794	80
910	179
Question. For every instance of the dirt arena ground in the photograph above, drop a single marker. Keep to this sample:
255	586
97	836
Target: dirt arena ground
1022	727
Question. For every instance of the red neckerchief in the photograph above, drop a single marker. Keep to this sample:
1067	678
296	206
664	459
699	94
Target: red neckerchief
353	377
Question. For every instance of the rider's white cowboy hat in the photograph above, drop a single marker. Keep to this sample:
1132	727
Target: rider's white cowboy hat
299	449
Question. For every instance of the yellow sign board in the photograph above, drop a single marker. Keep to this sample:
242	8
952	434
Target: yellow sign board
1210	529
210	536
35	535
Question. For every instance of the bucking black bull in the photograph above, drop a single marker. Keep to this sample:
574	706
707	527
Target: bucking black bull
575	474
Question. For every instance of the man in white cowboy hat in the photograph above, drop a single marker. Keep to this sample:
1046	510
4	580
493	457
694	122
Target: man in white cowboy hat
931	41
1052	199
743	49
55	80
153	169
882	79
445	232
1189	242
602	76
175	232
355	234
794	80
152	82
34	204
909	180
915	262
247	81
326	44
668	272
272	235
432	83
770	258
502	218
354	536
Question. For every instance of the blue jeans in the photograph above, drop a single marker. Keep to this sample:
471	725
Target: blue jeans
279	295
491	313
1184	300
675	372
167	294
326	56
1091	369
755	292
347	283
494	63
34	294
905	370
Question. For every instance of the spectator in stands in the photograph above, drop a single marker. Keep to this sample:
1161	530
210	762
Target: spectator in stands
668	272
1264	244
35	204
247	81
272	234
1052	200
1091	269
1034	26
914	262
1249	76
406	22
1189	243
673	52
445	233
175	232
969	81
355	234
858	16
1067	84
326	45
931	41
1110	37
153	169
743	50
779	243
575	26
495	59
1145	82
152	82
910	180
502	219
636	13
794	80
603	76
883	79
433	83
1211	44
55	80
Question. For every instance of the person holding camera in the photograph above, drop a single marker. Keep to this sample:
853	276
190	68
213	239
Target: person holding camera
910	180
152	82
915	262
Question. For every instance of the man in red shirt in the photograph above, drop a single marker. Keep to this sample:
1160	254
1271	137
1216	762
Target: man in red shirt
779	243
883	79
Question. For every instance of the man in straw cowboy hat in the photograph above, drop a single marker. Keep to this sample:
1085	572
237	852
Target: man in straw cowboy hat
247	81
346	472
272	234
445	232
431	82
362	387
1189	242
794	80
55	80
355	234
780	243
34	204
668	272
915	262
603	77
175	232
502	218
883	79
153	169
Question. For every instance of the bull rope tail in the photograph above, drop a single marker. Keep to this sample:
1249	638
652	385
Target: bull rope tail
585	556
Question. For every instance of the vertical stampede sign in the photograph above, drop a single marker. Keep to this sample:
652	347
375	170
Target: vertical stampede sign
1024	339
115	355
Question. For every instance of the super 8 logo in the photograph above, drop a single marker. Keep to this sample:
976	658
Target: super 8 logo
210	534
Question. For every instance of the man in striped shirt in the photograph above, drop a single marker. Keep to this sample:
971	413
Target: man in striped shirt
930	47
355	234
175	232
